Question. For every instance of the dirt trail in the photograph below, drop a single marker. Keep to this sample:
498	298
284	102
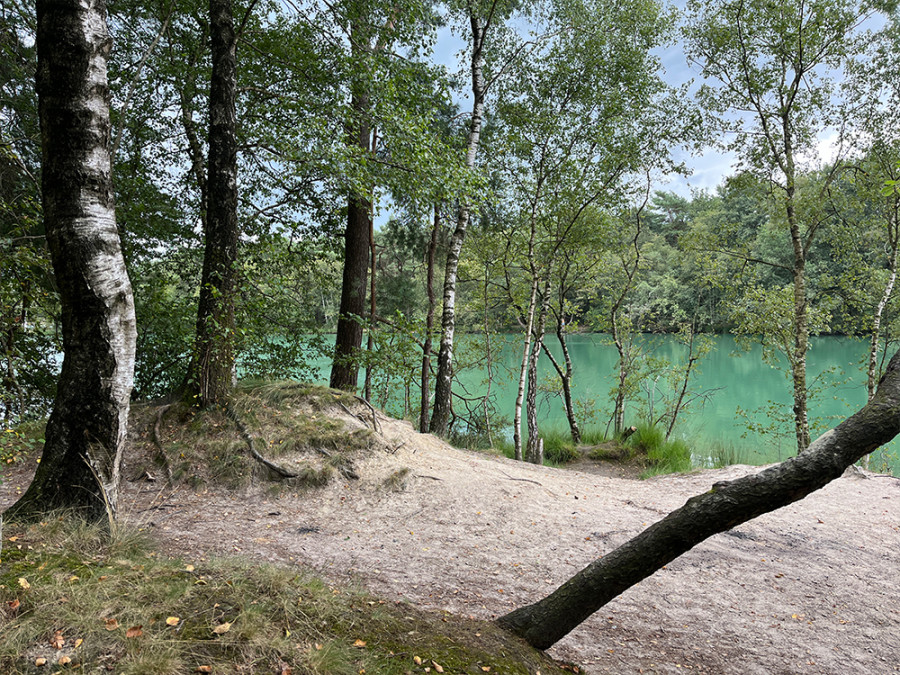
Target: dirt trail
812	588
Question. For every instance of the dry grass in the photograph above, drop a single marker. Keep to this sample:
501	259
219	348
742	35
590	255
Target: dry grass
73	598
304	429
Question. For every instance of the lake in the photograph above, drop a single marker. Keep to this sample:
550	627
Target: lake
729	379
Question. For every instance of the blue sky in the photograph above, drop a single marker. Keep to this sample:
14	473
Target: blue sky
708	168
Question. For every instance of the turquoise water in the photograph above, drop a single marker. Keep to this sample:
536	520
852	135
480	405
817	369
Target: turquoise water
729	378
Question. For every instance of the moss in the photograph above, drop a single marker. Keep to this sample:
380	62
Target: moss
93	588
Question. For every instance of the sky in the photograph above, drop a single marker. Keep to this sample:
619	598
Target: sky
707	169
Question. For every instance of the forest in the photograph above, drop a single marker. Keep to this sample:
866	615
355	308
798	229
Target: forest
193	196
398	202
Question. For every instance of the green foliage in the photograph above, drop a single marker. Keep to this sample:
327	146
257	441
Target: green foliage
672	456
558	447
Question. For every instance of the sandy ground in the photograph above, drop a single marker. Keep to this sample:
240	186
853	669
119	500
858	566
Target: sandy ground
812	588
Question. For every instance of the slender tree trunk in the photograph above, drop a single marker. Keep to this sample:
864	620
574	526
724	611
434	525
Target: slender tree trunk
872	370
565	376
523	370
440	417
212	376
348	341
195	150
488	360
370	342
800	347
425	406
79	467
10	380
679	401
726	505
534	451
624	367
874	343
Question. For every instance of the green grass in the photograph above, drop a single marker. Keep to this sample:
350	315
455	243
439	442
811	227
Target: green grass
663	456
74	599
558	447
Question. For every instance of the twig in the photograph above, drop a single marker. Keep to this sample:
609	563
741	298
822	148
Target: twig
524	480
422	475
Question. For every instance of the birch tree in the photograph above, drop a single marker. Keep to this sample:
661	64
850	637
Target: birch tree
771	70
85	434
482	23
577	126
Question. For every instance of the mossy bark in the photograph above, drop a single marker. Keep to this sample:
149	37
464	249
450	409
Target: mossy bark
725	506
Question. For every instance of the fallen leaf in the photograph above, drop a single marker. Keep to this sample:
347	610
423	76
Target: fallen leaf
222	628
13	604
23	582
188	568
77	643
437	666
417	660
172	621
57	641
14	538
64	661
134	632
318	647
40	661
74	578
203	669
359	644
486	669
111	624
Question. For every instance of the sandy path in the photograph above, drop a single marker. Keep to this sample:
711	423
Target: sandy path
812	588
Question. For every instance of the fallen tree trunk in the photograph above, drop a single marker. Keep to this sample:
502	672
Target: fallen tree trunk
725	506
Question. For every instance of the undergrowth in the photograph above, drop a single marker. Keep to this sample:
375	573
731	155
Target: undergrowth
73	599
662	455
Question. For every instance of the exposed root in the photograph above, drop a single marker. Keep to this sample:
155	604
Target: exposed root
157	443
375	424
249	439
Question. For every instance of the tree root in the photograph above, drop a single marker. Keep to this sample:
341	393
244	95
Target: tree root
157	443
375	425
249	439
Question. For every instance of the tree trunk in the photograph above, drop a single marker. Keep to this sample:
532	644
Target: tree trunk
348	341
79	467
682	393
534	451
425	406
212	372
624	367
565	376
440	417
872	370
370	342
725	506
523	371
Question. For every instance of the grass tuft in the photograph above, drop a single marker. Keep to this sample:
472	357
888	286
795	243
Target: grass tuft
663	456
71	594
